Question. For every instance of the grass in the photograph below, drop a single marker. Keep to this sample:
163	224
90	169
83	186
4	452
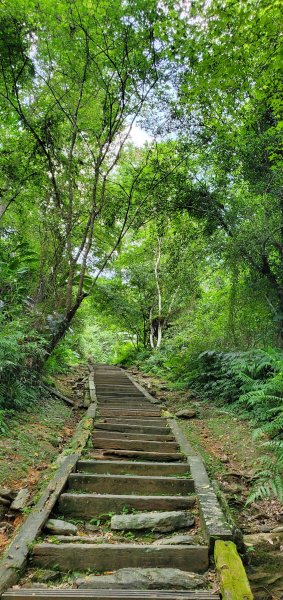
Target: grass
32	441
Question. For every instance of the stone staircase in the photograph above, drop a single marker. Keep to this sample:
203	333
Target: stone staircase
138	530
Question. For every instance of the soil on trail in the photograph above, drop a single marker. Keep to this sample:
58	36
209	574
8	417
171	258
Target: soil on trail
32	441
232	458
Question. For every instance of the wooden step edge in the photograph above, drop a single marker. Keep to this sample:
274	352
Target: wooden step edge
94	593
189	498
137	462
102	557
125	477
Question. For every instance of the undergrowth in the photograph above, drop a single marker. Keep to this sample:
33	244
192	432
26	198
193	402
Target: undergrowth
249	383
19	356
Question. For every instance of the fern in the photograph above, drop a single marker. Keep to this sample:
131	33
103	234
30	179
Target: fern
267	489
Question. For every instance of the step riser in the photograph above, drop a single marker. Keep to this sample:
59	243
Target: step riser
146	445
68	557
135	429
132	468
124	435
84	506
127	485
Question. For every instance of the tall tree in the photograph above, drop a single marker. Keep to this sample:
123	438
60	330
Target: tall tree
75	77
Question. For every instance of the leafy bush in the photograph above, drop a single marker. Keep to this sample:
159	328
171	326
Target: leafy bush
250	383
19	356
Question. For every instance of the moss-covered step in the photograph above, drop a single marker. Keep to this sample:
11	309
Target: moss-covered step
87	506
133	468
234	584
105	557
130	484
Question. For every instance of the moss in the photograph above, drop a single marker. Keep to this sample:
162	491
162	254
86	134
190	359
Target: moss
232	576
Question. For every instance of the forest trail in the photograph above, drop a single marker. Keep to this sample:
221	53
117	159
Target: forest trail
137	513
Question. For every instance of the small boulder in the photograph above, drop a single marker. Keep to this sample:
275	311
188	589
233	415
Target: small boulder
188	413
155	521
7	493
45	576
58	527
4	501
90	527
21	499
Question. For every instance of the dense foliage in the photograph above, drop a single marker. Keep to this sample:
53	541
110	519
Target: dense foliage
141	207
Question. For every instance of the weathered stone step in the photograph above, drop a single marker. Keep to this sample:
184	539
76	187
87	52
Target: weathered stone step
124	427
139	454
130	484
161	521
142	421
72	594
105	557
87	506
103	391
130	404
124	444
119	412
125	435
143	579
136	468
119	386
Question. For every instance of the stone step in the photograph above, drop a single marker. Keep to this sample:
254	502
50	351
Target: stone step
124	427
120	386
144	422
126	400
124	435
105	557
73	594
157	521
132	468
143	579
119	412
115	391
140	454
130	484
115	404
87	506
139	444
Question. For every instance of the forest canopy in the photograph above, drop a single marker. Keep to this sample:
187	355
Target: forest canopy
141	206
